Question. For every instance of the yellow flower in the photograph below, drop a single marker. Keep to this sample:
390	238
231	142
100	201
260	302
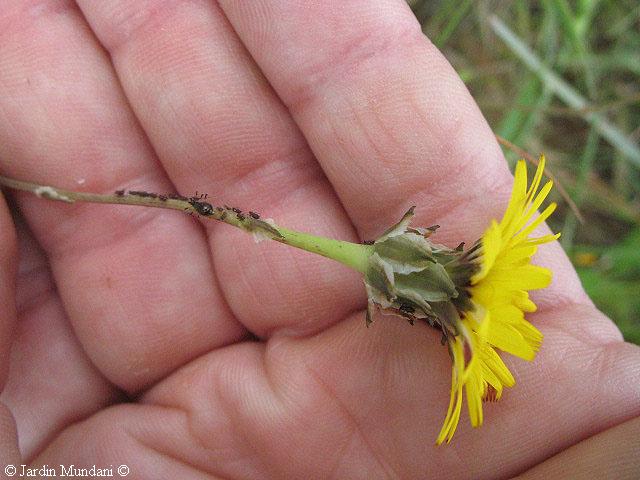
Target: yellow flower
498	293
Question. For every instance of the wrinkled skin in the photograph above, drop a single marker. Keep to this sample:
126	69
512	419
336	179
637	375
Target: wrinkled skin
185	350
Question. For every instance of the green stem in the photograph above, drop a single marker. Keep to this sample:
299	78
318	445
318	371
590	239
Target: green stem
353	255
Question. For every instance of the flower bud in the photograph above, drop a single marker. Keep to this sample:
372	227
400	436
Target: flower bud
411	276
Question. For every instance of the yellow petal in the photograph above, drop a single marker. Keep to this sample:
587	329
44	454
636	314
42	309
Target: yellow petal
491	246
455	402
529	277
522	236
531	334
508	339
494	363
521	300
537	177
474	387
518	193
541	240
518	254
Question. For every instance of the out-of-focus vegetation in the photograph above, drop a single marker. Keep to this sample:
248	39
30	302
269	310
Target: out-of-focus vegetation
562	78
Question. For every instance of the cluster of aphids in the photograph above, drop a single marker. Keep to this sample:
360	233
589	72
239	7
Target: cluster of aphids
197	202
239	214
140	193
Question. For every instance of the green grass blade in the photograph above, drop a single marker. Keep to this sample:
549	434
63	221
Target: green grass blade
566	92
453	23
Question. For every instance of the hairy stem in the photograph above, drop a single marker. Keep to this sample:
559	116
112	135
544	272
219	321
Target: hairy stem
353	255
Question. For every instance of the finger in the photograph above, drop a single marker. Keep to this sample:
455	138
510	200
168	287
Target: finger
8	438
383	112
8	268
360	401
369	403
8	265
612	453
131	279
218	127
51	382
380	107
121	441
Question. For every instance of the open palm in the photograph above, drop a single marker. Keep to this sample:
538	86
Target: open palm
185	350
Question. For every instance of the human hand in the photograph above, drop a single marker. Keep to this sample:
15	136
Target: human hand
135	330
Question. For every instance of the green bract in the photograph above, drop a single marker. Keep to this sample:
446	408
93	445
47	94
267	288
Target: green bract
409	275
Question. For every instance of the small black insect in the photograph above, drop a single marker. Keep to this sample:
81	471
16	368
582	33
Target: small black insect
203	208
254	215
240	216
406	308
368	242
163	197
120	193
407	311
237	210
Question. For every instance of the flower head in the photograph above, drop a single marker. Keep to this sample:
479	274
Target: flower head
477	298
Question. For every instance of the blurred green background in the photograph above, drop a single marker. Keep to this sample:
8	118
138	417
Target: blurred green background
562	78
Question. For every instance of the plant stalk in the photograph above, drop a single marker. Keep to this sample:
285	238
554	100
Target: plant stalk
353	255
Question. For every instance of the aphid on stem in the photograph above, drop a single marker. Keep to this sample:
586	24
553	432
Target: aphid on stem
143	194
203	208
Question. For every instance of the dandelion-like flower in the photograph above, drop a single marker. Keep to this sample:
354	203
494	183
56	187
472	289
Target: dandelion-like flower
478	297
498	292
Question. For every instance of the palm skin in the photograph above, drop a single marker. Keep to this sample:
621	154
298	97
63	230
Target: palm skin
185	350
